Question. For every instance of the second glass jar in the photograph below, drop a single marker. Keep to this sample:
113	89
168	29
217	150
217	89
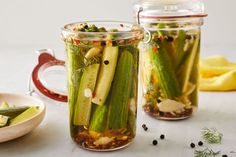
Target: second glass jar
169	60
169	72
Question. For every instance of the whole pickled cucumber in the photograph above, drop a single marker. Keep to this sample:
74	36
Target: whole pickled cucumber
120	92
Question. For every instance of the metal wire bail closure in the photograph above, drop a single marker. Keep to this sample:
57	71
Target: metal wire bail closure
140	9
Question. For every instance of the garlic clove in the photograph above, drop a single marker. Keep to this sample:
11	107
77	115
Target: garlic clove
170	106
103	141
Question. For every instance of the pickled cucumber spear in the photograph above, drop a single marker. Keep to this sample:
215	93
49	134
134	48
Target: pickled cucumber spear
74	56
82	108
120	92
187	65
106	74
165	72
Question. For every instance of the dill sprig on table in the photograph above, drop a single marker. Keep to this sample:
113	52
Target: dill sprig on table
212	135
207	152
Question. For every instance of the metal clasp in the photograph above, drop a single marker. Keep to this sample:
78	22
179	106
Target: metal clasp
140	9
50	51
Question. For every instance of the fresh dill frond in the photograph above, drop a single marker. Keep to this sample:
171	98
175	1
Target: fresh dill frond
92	60
207	152
212	135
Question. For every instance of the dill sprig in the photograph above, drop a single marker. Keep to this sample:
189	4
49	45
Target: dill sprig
212	135
92	60
207	152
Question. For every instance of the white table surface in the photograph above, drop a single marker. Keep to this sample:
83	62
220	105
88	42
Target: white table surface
51	138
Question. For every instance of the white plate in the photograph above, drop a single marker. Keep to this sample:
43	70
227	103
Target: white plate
22	128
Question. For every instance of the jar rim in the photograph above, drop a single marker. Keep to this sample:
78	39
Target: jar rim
125	31
128	27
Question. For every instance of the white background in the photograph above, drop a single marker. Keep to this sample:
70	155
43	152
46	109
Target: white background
38	22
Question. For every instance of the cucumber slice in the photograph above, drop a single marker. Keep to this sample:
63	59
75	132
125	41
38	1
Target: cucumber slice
4	105
106	74
83	105
4	120
12	112
32	111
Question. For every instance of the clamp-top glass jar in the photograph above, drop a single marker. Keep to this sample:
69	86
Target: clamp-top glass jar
169	61
102	66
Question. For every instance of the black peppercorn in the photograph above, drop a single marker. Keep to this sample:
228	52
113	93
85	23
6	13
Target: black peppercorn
200	143
144	126
169	38
188	37
103	43
145	129
154	142
85	26
114	43
162	136
224	155
106	62
192	145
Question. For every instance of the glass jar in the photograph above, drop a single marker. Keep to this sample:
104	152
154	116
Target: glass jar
102	69
169	61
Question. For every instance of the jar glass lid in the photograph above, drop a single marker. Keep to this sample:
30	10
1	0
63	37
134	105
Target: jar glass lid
170	8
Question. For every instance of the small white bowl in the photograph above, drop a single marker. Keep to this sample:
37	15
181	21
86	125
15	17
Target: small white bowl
14	131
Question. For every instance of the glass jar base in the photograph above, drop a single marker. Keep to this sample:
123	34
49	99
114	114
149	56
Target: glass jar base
108	140
168	116
97	149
